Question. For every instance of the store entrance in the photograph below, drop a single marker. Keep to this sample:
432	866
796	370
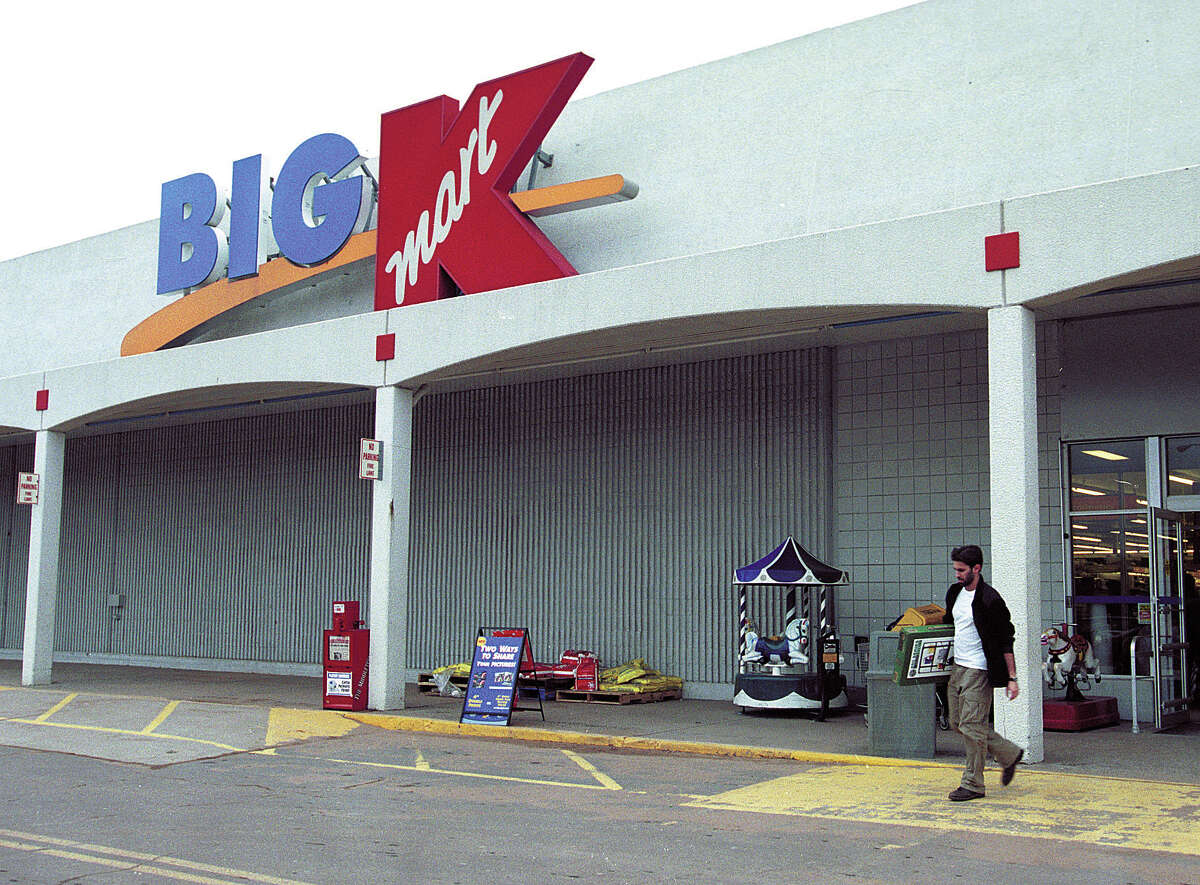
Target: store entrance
1191	607
1168	637
1134	567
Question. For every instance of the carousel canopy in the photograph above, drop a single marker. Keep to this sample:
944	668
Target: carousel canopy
789	563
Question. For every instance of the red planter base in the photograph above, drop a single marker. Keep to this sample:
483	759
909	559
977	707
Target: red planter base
1079	715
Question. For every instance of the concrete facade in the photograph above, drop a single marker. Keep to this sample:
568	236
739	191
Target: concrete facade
826	200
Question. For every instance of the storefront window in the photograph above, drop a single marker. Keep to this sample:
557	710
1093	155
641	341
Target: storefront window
1109	475
1110	555
1183	466
1109	550
1110	569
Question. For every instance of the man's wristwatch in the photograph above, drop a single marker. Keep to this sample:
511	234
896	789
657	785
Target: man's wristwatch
1012	678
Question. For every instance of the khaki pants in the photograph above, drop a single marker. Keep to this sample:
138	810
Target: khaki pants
970	697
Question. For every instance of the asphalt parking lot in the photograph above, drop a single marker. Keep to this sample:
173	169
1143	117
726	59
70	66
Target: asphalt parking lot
162	719
152	731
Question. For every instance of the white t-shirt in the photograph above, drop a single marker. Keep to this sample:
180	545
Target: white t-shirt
968	647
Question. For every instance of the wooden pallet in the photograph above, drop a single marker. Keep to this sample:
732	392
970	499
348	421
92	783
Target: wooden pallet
426	685
618	697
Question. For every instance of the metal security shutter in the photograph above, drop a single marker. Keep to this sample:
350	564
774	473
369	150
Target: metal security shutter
608	512
228	539
14	547
82	620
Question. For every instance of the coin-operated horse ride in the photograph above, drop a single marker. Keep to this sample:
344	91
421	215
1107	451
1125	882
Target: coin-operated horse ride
1069	661
795	670
1070	664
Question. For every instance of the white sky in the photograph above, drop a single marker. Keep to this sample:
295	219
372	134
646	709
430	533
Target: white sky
103	102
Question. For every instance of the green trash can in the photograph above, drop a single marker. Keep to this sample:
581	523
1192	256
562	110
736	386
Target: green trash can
900	718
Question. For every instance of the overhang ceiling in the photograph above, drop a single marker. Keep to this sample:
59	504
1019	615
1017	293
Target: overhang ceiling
694	339
212	403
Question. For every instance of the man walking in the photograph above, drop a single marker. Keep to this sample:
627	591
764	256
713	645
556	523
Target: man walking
983	660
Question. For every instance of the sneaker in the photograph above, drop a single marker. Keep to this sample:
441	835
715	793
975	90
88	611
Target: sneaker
1009	770
962	794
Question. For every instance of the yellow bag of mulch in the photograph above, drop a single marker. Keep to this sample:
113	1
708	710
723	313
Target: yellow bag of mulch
460	669
651	683
625	673
647	683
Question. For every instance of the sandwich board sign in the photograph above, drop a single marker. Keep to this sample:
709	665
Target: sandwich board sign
501	653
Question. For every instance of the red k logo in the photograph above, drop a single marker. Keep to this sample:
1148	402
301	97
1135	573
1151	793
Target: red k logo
444	182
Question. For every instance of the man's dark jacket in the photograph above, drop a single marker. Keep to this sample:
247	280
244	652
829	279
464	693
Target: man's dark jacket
994	624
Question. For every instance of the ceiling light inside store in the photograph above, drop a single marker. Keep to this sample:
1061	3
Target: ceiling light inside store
1084	491
1087	538
1182	480
1107	456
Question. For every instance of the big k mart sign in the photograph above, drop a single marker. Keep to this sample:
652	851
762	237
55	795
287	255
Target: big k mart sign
447	217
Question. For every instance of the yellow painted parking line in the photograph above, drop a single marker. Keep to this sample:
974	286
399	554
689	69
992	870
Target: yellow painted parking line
158	735
161	717
55	708
604	779
475	774
1121	813
110	862
283	726
134	861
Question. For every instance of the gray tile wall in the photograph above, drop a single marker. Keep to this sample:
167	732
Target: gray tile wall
913	475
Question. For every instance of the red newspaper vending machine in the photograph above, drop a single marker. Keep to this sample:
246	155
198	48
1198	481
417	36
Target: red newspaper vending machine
346	649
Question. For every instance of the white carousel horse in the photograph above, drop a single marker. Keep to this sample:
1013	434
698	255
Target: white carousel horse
787	649
1067	658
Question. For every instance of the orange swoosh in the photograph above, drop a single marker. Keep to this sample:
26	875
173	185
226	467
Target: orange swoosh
164	326
574	195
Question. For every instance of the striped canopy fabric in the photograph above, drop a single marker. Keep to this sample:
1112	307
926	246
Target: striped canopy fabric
789	564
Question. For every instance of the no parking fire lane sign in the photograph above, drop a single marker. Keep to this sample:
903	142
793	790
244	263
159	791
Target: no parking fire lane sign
369	454
27	488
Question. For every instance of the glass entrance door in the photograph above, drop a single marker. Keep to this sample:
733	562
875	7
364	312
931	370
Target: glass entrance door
1166	617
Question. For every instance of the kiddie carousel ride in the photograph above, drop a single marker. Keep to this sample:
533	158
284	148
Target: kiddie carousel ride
1071	664
792	671
1069	661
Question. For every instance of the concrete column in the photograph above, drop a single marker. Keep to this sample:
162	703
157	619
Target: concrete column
390	520
41	585
1016	557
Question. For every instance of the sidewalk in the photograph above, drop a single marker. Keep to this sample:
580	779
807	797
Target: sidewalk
667	726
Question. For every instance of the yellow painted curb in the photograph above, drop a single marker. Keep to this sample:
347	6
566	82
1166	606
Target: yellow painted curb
625	742
285	724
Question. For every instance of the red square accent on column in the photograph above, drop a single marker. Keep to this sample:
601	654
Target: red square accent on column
1002	251
41	400
385	347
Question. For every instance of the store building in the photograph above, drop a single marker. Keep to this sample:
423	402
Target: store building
926	279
